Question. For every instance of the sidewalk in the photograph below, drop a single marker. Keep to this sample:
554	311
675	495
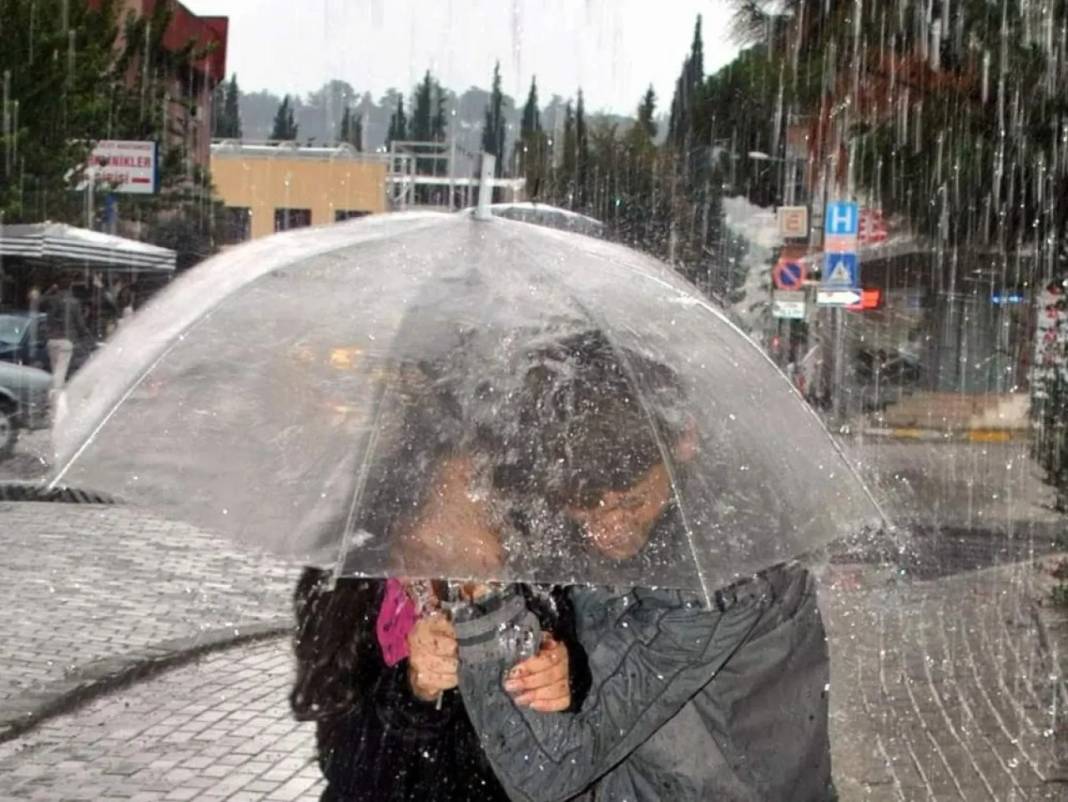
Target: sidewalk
945	684
943	689
939	690
990	487
92	593
951	417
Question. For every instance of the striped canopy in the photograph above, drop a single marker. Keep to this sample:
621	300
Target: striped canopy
60	242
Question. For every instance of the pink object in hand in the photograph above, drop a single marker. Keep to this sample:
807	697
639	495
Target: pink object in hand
396	617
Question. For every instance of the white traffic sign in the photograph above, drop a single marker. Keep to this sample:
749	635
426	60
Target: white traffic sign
788	305
793	222
838	297
128	167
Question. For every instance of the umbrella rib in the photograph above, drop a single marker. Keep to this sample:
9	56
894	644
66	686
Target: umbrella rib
114	407
361	478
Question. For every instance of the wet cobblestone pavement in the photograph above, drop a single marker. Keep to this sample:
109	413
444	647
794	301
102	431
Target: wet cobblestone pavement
82	583
941	685
940	691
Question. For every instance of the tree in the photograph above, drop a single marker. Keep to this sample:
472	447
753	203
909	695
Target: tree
285	127
565	177
55	86
438	126
687	92
532	146
398	124
646	115
531	120
88	74
582	154
351	129
493	129
428	117
227	112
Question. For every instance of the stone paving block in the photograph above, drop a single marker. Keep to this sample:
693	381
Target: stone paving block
109	585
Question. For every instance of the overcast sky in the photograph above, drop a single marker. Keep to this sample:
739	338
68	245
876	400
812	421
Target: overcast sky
611	48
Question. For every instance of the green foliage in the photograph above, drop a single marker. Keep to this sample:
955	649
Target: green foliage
532	148
955	111
494	128
428	113
227	122
60	89
72	79
1059	594
351	129
398	124
285	127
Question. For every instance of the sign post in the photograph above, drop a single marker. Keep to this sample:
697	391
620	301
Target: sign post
841	282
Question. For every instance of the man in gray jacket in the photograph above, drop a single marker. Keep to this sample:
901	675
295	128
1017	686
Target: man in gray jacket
688	700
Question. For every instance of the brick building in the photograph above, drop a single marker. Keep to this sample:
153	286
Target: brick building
189	113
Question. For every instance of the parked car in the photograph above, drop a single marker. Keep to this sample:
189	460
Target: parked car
23	339
884	378
23	402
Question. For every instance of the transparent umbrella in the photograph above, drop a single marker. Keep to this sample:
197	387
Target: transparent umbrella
326	393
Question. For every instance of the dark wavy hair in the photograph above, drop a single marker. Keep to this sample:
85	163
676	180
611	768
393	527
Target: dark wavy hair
593	417
332	644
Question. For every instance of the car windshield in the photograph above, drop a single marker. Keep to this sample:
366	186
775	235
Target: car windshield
11	328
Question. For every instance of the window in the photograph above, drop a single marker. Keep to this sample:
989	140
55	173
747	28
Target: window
236	224
340	215
285	219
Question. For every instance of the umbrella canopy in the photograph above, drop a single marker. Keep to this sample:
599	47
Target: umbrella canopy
325	391
58	241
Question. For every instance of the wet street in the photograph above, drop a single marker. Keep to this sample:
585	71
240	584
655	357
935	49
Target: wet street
947	679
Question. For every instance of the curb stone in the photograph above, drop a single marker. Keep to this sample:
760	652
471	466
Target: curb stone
942	435
106	674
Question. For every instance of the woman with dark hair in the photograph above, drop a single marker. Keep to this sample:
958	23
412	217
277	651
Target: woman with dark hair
688	701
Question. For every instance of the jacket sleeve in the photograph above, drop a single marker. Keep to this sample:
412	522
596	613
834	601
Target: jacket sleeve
648	663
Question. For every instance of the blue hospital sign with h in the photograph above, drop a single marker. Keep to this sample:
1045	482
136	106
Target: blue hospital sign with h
842	219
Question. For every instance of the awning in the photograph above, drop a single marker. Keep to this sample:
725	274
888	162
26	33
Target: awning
61	242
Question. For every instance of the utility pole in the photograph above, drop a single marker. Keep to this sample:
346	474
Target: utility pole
452	159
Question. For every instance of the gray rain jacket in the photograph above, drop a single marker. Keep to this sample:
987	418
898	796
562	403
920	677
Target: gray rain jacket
686	702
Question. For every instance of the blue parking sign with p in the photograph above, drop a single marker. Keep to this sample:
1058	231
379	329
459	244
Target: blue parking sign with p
842	219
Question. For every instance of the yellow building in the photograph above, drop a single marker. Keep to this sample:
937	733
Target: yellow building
274	187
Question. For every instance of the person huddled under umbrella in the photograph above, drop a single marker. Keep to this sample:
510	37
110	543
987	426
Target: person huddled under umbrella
377	663
694	696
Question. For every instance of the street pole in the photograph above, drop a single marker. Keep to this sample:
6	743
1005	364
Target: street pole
452	160
485	187
89	188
